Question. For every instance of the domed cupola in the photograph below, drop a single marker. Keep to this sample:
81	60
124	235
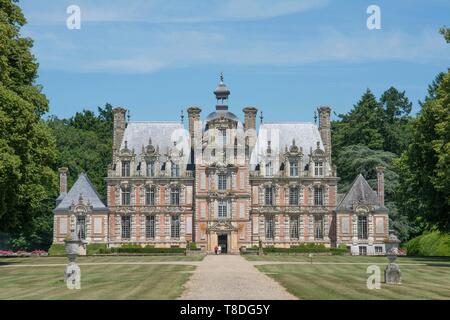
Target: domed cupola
222	94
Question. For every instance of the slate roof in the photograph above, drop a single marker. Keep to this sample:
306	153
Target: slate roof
162	134
360	192
85	188
280	135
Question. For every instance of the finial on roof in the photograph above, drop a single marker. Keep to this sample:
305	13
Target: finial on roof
182	117
126	144
128	115
318	144
221	77
315	117
150	141
293	142
261	117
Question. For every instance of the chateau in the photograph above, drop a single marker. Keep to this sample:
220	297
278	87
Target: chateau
223	182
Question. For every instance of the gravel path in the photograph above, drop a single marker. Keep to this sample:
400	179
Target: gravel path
231	277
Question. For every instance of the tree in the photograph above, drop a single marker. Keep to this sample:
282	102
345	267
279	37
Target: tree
27	147
446	33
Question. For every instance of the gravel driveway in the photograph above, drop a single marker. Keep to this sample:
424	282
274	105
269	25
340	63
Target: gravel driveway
231	277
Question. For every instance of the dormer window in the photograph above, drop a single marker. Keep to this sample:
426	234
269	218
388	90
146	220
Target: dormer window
318	168
293	168
125	168
175	169
269	169
150	168
223	137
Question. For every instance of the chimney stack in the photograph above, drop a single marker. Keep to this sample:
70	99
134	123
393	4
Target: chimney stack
250	118
325	130
118	129
380	184
194	124
63	180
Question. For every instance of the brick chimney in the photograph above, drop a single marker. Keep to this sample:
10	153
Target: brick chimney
63	180
325	130
380	184
250	127
118	129
194	124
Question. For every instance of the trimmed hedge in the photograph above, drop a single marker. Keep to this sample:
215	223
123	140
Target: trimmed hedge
432	244
307	248
95	248
147	249
57	250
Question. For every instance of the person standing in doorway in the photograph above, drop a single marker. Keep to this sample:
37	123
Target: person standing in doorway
219	250
216	248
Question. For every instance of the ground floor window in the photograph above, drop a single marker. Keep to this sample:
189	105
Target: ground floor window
318	227
378	249
362	250
293	225
150	227
126	227
270	228
175	227
81	227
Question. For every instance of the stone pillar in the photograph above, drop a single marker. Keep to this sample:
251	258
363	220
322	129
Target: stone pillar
380	184
118	129
325	130
194	124
63	180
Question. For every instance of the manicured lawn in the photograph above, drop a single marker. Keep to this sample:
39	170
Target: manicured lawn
336	277
113	281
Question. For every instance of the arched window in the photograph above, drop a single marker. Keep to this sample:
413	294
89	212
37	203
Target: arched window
175	196
126	195
150	196
318	196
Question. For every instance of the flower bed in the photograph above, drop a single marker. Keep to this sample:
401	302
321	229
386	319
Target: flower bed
34	253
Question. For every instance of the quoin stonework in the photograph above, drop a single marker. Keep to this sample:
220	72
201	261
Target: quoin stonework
218	181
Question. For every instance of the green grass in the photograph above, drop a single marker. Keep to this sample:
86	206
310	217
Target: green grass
163	281
348	281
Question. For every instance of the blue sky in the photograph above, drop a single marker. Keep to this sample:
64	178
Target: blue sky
285	57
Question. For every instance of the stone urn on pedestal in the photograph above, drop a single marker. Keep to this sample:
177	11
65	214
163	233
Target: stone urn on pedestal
72	273
392	273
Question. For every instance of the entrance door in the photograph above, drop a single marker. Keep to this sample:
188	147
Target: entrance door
222	241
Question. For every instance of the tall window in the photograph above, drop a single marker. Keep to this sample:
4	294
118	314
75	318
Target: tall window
175	169
293	168
125	168
222	209
222	182
175	196
150	196
270	228
150	169
362	227
318	196
126	227
318	228
81	227
223	137
294	227
318	168
175	227
293	196
269	169
126	196
268	196
150	227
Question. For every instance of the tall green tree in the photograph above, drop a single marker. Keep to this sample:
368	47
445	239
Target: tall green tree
27	147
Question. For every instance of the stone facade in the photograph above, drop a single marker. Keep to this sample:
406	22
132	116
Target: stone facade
222	182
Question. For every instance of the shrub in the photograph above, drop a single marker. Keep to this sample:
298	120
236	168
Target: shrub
56	250
94	248
303	248
146	249
429	244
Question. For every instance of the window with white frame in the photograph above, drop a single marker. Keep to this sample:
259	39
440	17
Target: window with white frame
126	195
150	227
150	168
126	227
268	196
175	196
318	196
293	168
175	226
222	182
378	249
270	227
294	227
362	227
175	169
150	196
318	227
222	206
269	169
125	168
81	227
318	168
293	196
362	250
